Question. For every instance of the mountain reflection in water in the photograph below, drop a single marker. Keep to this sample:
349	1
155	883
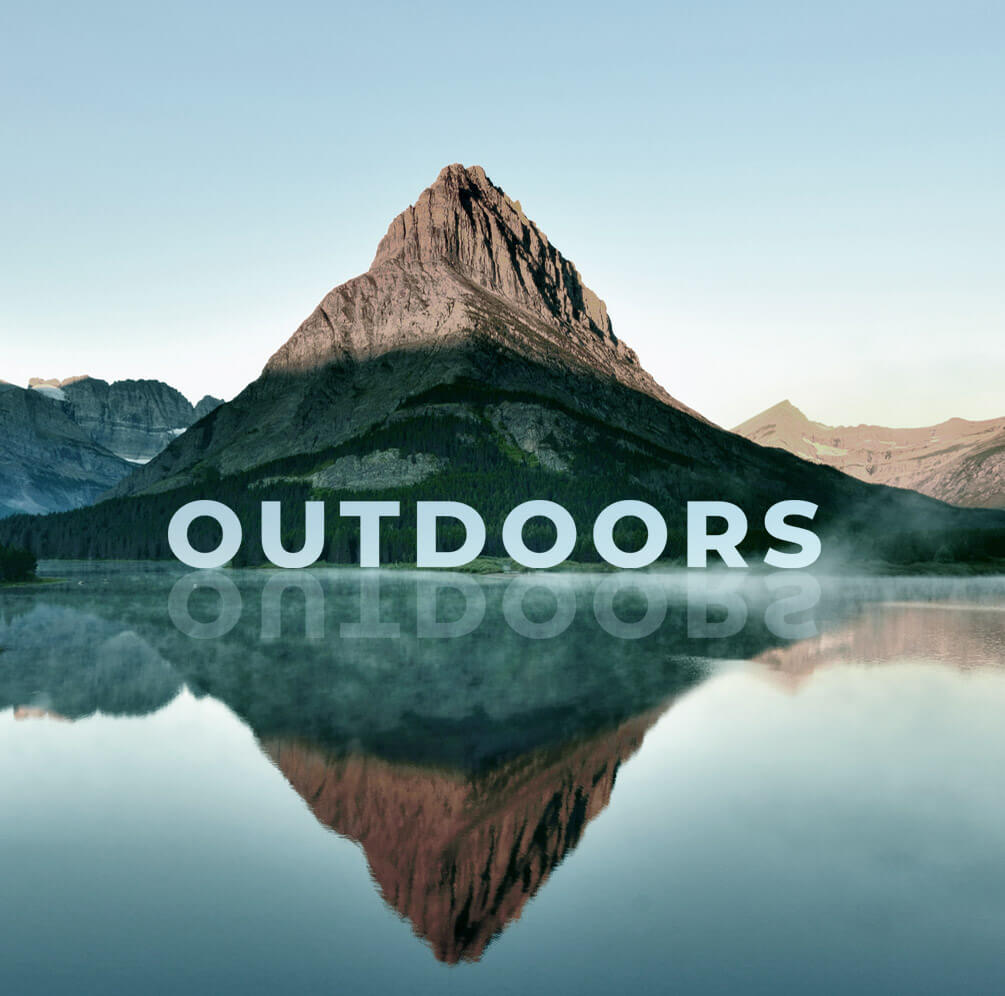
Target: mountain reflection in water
460	855
467	769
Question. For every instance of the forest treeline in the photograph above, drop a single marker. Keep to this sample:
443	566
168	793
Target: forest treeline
486	471
16	564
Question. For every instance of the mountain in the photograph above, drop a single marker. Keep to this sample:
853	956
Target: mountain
204	406
47	461
66	442
471	362
463	285
957	461
135	419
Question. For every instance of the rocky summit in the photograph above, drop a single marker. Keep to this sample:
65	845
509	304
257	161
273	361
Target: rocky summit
438	277
471	362
957	461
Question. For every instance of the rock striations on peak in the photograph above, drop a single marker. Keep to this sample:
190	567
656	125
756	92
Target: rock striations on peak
440	275
466	221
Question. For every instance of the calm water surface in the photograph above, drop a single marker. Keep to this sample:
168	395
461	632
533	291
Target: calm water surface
380	782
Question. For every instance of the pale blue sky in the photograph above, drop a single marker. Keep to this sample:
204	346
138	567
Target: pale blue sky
775	199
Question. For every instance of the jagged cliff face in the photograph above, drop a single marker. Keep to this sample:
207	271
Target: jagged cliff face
135	419
957	461
64	443
48	463
461	856
462	250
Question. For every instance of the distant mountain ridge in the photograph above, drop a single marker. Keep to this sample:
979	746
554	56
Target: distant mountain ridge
135	419
63	443
956	461
48	463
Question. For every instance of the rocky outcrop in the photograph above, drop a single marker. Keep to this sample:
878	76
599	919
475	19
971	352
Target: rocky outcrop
48	463
376	471
956	461
460	856
205	406
66	442
135	419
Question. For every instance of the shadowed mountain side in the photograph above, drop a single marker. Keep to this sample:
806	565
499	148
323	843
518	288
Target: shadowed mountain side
460	856
320	410
556	419
47	461
287	413
420	425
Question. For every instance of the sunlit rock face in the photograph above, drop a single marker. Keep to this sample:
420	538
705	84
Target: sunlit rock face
957	461
460	855
446	266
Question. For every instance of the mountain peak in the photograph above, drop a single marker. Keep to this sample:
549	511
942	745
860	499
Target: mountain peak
785	407
465	221
956	461
464	265
785	411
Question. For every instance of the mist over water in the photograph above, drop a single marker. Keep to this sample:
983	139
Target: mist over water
389	780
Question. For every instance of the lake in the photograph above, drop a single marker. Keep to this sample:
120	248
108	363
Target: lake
383	781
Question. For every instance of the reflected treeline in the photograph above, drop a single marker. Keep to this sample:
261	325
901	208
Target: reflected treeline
373	662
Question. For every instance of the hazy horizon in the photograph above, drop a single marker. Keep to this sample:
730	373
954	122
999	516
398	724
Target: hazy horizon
777	203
